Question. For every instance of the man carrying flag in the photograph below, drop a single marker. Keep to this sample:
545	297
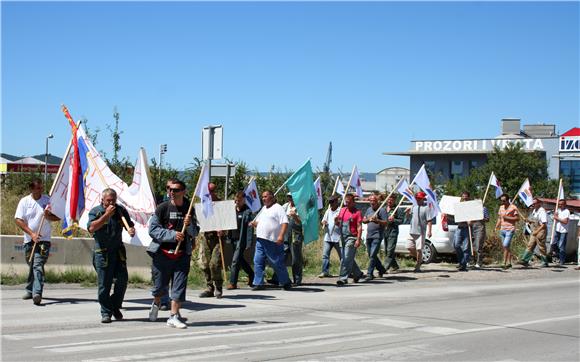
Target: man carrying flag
538	221
349	220
211	259
420	229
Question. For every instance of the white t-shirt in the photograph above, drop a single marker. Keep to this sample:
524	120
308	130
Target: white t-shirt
332	232
563	214
540	215
31	210
270	222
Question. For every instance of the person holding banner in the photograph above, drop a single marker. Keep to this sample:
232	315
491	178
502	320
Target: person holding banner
562	216
109	254
461	239
31	212
506	224
169	260
349	220
392	233
376	220
538	221
331	235
420	229
271	225
211	258
241	238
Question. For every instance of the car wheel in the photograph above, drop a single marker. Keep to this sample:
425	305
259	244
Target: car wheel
429	253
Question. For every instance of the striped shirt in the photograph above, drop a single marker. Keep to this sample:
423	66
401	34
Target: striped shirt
512	210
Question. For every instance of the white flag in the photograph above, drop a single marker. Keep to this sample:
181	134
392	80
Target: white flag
340	188
252	196
405	190
202	191
422	180
355	182
318	190
525	193
561	195
493	181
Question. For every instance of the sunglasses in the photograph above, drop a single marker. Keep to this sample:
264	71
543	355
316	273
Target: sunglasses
175	190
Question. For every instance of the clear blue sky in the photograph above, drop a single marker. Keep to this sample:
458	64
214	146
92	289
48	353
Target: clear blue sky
285	79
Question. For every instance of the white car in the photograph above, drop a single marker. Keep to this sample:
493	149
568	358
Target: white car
441	242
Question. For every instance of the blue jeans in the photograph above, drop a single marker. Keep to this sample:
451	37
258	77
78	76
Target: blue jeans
560	240
36	267
275	255
327	249
348	263
462	247
165	270
373	247
506	237
110	265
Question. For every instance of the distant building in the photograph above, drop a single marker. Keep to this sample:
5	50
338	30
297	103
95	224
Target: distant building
456	158
14	164
388	178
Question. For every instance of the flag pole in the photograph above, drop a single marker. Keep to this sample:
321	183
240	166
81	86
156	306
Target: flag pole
487	188
190	205
385	200
555	209
58	173
347	187
403	198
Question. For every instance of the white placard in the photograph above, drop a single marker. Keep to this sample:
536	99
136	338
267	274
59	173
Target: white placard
447	204
223	218
469	211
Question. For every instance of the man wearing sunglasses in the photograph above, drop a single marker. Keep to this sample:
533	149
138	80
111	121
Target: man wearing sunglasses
169	261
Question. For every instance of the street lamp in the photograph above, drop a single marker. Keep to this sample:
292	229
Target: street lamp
46	159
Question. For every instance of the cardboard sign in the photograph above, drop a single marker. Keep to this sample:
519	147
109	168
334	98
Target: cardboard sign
447	204
469	211
223	218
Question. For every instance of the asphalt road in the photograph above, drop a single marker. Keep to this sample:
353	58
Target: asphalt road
439	315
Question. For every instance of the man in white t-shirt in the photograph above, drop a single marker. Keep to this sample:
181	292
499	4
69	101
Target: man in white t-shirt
537	221
562	216
33	216
271	225
332	235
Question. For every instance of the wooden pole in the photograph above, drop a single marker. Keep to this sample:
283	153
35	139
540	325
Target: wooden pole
54	183
223	262
470	239
486	190
190	205
385	200
555	209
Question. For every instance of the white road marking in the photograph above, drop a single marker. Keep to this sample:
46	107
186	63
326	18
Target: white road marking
394	323
340	315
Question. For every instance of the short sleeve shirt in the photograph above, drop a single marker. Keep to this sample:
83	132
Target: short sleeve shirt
332	232
563	214
511	211
354	217
375	230
540	215
30	211
421	214
270	222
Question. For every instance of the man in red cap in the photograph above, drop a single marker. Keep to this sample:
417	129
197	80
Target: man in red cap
420	226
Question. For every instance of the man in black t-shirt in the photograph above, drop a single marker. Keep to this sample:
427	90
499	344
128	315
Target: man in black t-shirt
171	250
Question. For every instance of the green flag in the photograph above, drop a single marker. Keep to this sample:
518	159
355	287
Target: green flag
301	186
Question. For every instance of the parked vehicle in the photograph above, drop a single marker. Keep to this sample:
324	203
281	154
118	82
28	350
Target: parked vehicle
440	243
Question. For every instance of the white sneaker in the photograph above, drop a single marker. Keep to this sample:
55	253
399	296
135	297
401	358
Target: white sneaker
153	312
477	266
174	322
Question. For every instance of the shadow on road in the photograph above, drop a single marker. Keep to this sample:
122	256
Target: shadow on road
66	301
250	296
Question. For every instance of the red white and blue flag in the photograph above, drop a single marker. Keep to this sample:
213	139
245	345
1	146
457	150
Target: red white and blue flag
525	193
251	195
422	180
405	190
493	181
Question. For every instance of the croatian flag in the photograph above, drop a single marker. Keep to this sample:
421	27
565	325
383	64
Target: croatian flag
525	193
355	182
202	192
318	193
405	190
493	181
251	195
422	180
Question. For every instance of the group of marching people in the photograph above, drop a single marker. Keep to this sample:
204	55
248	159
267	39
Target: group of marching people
174	230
